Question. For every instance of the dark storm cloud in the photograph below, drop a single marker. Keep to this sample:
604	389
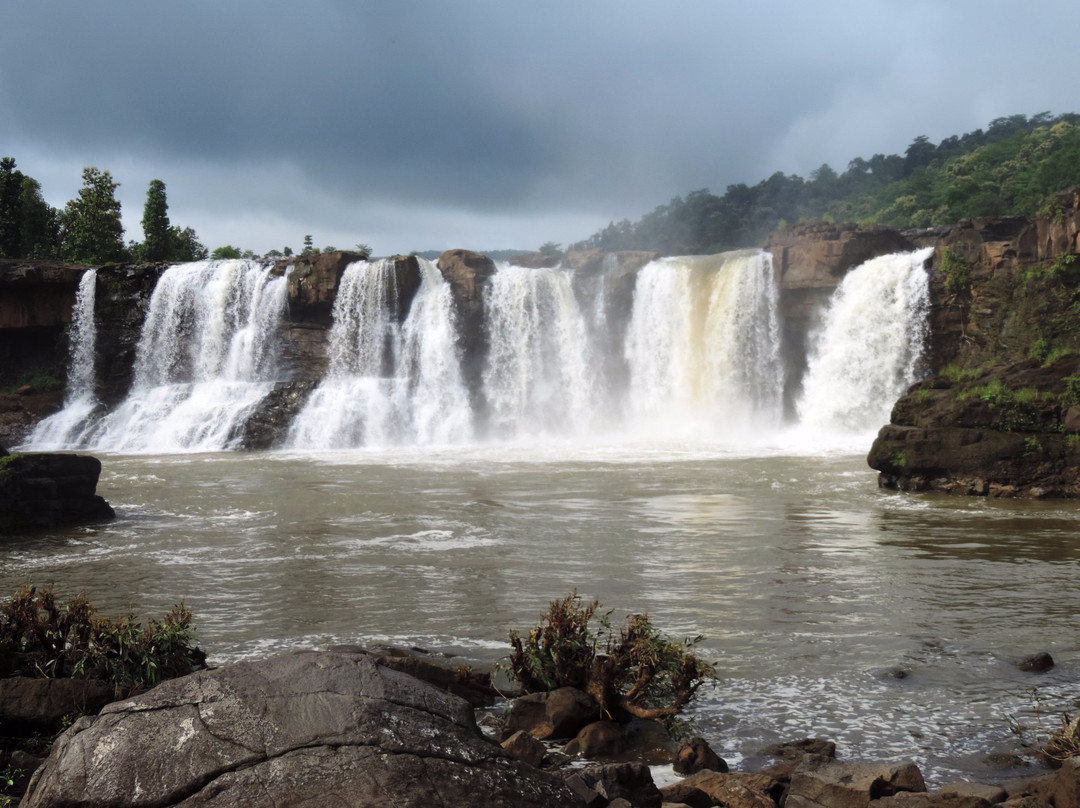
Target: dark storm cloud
540	114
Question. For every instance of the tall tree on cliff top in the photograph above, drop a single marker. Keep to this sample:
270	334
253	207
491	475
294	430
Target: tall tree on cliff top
92	231
10	218
40	226
155	224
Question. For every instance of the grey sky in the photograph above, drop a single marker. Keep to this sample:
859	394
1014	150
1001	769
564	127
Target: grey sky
426	124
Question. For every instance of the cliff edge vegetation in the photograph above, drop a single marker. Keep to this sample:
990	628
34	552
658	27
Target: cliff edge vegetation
1012	168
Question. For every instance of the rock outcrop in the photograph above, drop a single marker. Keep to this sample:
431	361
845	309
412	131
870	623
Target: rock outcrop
810	260
36	302
468	273
300	729
47	490
121	302
313	281
1001	417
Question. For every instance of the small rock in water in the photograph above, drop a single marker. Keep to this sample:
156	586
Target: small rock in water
1036	663
695	755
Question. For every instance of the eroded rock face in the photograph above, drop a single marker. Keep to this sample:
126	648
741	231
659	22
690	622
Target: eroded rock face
268	425
313	283
121	302
817	255
46	490
468	274
300	729
810	260
36	300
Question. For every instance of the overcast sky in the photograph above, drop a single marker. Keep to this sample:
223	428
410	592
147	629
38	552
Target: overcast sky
428	124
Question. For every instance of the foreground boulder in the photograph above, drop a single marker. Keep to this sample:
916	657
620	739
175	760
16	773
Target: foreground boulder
328	729
46	490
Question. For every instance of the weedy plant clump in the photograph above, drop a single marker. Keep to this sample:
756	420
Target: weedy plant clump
42	637
636	670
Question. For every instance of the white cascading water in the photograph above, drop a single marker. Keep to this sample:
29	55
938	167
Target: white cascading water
686	347
65	429
870	346
389	382
206	358
703	345
538	378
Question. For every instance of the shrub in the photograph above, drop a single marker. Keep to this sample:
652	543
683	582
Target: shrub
640	671
957	272
1065	743
44	638
955	374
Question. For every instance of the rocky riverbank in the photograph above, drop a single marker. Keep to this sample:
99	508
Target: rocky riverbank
351	728
999	414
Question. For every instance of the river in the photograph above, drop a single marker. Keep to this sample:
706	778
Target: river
812	587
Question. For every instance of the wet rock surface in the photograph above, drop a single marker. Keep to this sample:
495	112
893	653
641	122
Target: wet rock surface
47	490
299	729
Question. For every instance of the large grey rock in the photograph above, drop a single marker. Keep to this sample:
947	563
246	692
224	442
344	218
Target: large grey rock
327	729
45	490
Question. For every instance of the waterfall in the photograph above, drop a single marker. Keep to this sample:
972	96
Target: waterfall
703	345
686	348
538	378
64	429
870	346
206	357
389	382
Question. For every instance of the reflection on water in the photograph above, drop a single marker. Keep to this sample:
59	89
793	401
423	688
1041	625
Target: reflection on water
812	587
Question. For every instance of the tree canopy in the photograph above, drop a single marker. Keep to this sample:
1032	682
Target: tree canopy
89	229
1012	168
91	226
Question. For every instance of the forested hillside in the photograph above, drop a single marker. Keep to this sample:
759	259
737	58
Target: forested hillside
1012	168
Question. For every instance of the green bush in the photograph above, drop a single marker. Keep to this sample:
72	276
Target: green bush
637	670
957	272
43	638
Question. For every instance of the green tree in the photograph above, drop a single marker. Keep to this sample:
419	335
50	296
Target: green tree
185	246
228	251
10	209
550	248
309	245
40	225
157	231
92	230
364	250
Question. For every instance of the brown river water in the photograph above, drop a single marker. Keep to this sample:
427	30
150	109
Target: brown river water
811	585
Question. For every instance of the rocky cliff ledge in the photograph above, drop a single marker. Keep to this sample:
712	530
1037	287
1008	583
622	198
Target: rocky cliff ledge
1001	414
